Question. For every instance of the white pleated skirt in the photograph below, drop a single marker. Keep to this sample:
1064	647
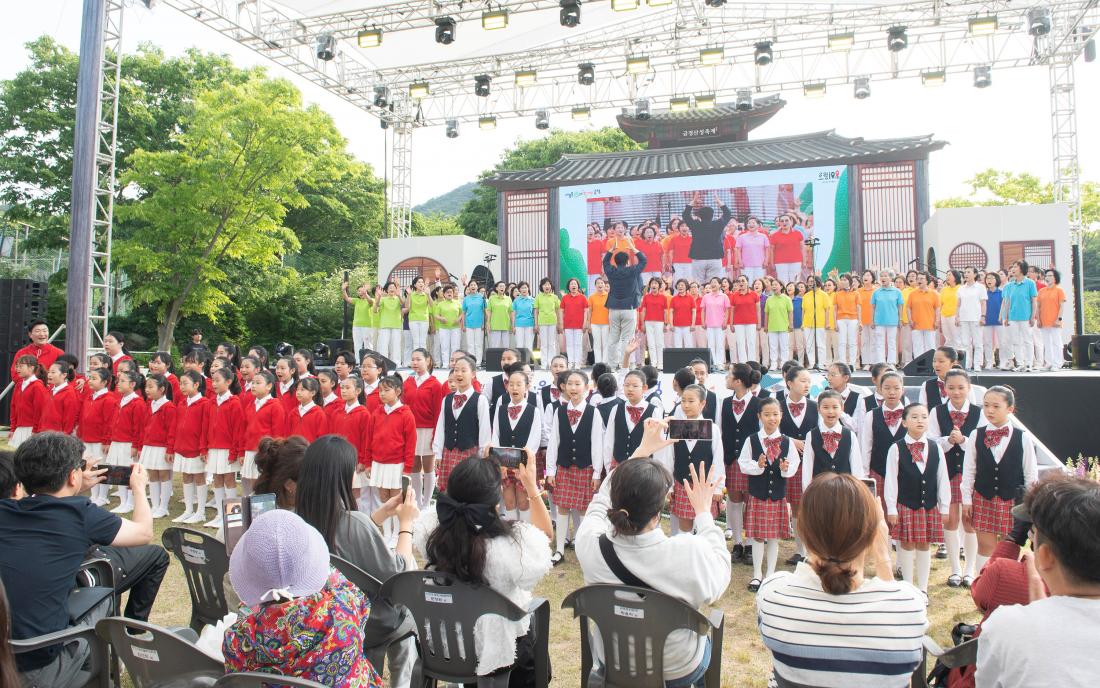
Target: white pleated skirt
119	454
424	441
360	479
218	463
19	436
189	465
386	475
154	458
93	451
248	466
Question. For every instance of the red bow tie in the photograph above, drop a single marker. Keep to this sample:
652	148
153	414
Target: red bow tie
993	437
830	440
943	389
635	413
917	450
574	416
459	400
797	407
738	406
555	393
958	418
513	411
772	446
892	417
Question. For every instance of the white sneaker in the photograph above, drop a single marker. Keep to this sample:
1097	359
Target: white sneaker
182	518
196	517
159	513
123	508
215	522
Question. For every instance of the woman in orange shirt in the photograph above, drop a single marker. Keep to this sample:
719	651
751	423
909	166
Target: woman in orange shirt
1051	301
847	321
866	320
601	325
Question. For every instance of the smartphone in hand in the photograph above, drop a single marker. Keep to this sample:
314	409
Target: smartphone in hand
871	485
509	457
118	475
684	429
405	481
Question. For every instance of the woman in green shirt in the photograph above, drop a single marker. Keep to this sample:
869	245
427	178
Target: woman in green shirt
446	313
779	320
362	334
387	308
418	305
548	319
499	313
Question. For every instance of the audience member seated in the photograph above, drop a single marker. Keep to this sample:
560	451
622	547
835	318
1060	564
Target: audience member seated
325	500
1051	641
694	568
299	617
10	487
279	460
9	675
466	537
825	624
46	536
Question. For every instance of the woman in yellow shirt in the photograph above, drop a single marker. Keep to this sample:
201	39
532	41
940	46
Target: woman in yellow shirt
817	311
949	308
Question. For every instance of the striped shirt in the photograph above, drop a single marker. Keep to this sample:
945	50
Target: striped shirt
868	638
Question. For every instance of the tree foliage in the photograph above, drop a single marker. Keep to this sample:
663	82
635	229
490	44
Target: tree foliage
478	218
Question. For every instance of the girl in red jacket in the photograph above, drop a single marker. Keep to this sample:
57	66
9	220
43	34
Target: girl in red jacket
391	443
114	344
353	424
192	436
223	448
126	434
287	377
97	417
161	364
423	395
28	399
61	414
330	394
308	420
264	417
158	441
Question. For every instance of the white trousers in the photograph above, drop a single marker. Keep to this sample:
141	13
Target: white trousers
905	343
716	342
868	350
655	339
390	343
886	344
744	337
753	273
681	338
548	343
362	338
1018	333
847	337
705	269
992	337
1052	347
951	334
623	323
970	342
525	338
923	340
475	343
779	344
449	340
599	343
418	330
573	346
788	272
816	340
499	339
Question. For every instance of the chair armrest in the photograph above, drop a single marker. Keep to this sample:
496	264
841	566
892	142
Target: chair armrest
932	647
40	641
961	655
717	619
539	609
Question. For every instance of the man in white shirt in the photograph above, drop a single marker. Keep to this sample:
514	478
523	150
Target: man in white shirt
1051	641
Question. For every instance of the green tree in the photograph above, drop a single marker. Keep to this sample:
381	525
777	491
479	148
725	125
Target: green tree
478	218
221	195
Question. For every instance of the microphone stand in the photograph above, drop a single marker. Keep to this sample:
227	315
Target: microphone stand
813	242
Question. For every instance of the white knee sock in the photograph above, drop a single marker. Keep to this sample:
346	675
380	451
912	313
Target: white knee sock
200	494
154	495
970	547
219	497
951	542
906	557
123	495
165	495
673	525
524	515
561	527
189	498
757	559
735	516
427	486
553	510
229	493
979	562
797	540
924	566
773	555
416	482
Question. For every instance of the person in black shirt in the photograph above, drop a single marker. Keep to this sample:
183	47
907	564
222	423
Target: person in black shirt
9	484
706	236
195	344
45	537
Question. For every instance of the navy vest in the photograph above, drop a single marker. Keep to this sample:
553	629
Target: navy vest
703	451
460	433
735	431
823	461
932	393
517	436
546	399
627	442
954	455
710	410
851	403
1003	479
497	391
575	448
918	490
881	439
608	406
870	402
769	485
789	427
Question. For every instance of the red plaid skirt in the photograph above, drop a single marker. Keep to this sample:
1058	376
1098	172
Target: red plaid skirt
918	525
540	463
736	481
573	488
447	463
992	515
681	506
956	489
767	520
880	489
794	490
510	479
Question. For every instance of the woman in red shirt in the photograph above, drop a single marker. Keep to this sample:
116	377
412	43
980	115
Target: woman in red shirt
746	309
653	316
678	248
729	247
575	316
653	252
786	250
682	307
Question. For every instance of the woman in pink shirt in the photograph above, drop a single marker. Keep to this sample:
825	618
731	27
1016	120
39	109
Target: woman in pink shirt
751	252
716	317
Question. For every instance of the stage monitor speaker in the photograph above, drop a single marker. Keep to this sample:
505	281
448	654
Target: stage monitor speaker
922	365
491	361
338	345
675	358
1086	351
390	365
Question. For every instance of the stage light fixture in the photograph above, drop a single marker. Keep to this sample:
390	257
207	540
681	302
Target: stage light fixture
842	42
325	47
1090	50
487	122
381	96
705	101
570	15
983	76
658	3
712	56
715	3
935	77
497	19
624	5
582	114
284	349
641	108
897	39
1038	21
452	128
525	78
637	65
982	26
445	30
814	90
744	99
586	74
369	38
862	87
482	85
763	53
419	90
542	119
679	104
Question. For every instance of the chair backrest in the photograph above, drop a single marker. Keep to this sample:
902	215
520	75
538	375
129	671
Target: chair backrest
634	624
446	610
156	657
256	679
370	585
205	565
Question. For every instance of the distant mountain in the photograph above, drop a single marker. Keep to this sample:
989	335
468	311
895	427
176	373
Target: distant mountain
449	203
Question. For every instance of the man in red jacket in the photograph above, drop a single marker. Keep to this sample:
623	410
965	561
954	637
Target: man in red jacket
39	347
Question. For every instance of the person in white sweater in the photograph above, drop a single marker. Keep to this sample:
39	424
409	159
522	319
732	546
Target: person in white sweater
694	568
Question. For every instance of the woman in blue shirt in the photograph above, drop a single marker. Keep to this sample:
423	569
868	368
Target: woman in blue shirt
523	317
991	326
795	291
473	320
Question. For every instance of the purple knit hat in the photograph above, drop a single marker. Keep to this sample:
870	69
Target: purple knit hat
280	557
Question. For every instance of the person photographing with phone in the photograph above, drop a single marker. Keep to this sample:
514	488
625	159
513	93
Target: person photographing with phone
517	424
699	441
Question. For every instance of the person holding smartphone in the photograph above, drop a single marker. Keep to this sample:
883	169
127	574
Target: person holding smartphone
692	452
516	424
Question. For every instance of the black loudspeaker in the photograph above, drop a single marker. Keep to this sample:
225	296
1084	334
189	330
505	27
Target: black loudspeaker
337	345
1086	351
21	302
680	358
491	360
390	365
922	365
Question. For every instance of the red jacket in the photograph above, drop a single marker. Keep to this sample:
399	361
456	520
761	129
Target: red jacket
114	364
355	428
46	355
160	428
27	405
374	401
62	412
130	422
193	427
227	426
82	382
97	418
174	383
424	401
310	426
289	400
269	421
333	409
393	437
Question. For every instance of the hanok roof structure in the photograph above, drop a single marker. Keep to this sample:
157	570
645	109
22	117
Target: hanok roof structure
723	123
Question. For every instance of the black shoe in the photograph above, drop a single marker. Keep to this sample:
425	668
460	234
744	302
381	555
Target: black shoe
954	581
795	559
557	558
738	553
746	555
569	544
941	551
897	573
754	585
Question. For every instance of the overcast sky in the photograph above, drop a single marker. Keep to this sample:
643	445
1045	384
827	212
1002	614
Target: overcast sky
1006	126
